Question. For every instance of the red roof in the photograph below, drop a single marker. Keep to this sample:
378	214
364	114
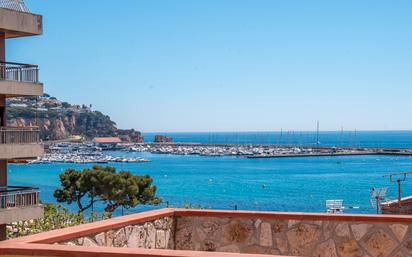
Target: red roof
107	140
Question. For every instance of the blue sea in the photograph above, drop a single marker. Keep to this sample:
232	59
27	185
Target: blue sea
397	139
284	184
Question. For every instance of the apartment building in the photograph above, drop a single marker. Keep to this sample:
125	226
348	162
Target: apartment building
17	203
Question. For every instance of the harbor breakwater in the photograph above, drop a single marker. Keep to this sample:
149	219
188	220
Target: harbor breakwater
259	151
90	153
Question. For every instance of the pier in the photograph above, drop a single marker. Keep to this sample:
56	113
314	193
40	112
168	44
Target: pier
88	152
262	150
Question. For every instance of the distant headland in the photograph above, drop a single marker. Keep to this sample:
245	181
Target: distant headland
59	120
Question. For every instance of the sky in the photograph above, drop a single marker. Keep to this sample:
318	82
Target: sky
228	65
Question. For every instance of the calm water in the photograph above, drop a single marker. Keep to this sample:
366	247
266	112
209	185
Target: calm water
291	184
327	138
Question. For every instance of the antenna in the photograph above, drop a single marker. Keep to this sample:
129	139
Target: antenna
401	177
378	195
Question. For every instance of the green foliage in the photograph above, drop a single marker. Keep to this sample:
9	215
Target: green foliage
104	184
55	217
127	190
66	105
92	124
72	190
19	112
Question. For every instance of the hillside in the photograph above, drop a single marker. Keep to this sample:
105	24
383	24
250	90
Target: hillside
59	120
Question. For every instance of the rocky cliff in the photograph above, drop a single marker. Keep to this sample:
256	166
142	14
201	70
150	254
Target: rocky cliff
56	127
50	129
58	120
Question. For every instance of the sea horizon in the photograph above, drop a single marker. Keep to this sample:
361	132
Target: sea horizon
387	138
267	131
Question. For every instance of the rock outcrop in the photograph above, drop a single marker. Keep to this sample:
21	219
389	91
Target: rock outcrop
162	139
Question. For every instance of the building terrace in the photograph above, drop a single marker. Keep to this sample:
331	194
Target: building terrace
189	233
16	80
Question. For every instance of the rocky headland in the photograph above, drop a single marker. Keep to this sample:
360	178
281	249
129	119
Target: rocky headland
59	120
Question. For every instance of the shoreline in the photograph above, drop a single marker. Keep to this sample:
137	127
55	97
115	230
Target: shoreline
260	150
88	152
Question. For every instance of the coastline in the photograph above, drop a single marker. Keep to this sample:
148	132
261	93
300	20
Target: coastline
260	150
223	182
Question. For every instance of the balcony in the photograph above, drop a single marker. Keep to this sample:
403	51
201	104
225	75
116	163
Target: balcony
17	197
19	79
19	72
20	142
16	20
19	203
19	135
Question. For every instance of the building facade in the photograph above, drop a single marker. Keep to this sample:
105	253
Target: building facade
17	203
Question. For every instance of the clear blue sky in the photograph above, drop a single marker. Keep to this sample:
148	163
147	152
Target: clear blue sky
220	65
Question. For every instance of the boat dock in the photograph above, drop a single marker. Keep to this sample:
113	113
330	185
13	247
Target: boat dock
308	155
262	150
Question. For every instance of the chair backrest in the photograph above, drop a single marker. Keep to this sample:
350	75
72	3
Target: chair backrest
334	205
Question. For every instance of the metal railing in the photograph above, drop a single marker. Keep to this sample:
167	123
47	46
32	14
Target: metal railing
17	5
19	135
15	197
19	72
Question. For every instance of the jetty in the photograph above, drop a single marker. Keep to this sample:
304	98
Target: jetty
88	152
80	153
261	150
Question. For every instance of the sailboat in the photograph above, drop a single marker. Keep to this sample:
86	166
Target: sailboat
317	135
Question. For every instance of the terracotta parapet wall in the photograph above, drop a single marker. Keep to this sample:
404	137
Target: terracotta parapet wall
294	215
190	233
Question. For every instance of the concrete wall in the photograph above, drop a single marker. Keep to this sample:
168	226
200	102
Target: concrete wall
20	214
2	46
3	172
17	89
19	24
17	151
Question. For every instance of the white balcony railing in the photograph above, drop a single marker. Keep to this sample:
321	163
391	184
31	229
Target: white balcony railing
17	197
17	5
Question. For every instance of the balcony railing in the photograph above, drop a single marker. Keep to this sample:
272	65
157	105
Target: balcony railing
19	135
19	72
17	5
15	197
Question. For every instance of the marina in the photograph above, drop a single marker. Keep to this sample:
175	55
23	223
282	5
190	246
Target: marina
82	154
260	151
89	152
